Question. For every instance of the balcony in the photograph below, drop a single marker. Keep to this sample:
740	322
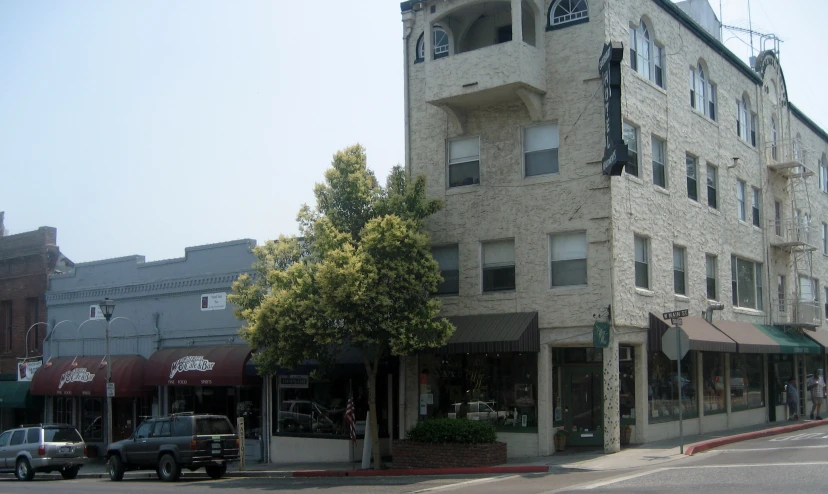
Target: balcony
793	234
801	314
788	157
489	75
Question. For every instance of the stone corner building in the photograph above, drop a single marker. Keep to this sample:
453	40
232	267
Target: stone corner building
719	209
26	261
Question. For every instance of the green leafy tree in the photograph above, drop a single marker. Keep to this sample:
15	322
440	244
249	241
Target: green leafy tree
359	274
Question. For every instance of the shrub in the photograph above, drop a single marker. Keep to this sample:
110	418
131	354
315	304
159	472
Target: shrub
453	431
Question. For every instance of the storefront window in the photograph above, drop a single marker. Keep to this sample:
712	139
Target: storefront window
64	410
663	388
626	368
714	382
499	388
231	401
747	381
782	370
92	419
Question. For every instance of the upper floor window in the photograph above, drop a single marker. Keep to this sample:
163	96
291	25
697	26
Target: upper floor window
499	265
702	93
745	122
823	174
692	177
448	258
568	259
710	271
646	57
679	270
774	152
746	281
757	207
540	150
464	161
564	12
630	136
740	200
659	168
642	262
712	187
439	44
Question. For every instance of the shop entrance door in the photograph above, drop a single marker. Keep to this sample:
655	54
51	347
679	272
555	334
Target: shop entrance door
584	398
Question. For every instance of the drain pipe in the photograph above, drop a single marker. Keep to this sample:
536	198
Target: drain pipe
708	314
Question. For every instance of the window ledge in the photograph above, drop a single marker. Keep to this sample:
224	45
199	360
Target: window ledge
633	178
747	144
647	81
644	292
748	311
463	189
540	179
756	228
694	203
704	117
662	190
681	298
498	292
713	210
568	288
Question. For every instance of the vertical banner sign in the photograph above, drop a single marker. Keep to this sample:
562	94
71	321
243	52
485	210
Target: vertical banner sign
615	151
241	432
600	334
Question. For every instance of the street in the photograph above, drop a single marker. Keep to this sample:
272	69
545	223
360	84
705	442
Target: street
793	462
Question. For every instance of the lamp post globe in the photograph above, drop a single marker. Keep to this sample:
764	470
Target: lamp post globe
108	308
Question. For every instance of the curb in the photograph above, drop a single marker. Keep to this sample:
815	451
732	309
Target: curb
715	443
422	471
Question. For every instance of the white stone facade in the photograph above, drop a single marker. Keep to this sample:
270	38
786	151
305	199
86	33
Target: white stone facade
450	97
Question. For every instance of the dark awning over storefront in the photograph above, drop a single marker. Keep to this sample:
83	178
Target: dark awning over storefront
821	337
703	336
750	338
198	366
14	394
510	332
790	341
86	376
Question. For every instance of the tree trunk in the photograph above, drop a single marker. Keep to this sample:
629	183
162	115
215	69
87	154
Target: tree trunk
372	410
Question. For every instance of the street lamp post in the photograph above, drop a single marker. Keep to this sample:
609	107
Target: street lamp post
108	307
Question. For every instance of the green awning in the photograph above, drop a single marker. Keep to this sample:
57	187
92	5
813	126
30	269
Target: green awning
14	394
790	341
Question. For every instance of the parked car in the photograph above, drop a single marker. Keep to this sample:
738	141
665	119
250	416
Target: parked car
480	410
42	448
307	416
168	444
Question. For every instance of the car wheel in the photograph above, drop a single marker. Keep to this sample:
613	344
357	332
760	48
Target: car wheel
23	470
116	468
69	473
216	472
168	469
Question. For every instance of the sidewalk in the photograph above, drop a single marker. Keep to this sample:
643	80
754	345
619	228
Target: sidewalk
592	459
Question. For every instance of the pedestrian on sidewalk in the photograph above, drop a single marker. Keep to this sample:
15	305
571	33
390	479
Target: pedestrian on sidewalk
792	396
816	388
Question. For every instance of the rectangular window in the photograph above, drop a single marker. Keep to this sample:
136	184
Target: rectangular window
499	265
780	294
693	103
659	170
746	283
753	129
679	271
714	383
642	262
568	259
825	239
823	176
777	217
540	150
664	386
747	381
631	139
712	186
464	162
658	62
448	258
710	268
740	199
692	178
711	104
757	202
6	322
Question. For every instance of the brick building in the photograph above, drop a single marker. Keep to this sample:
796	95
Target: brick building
26	261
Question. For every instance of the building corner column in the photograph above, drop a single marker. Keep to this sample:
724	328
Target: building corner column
546	408
612	387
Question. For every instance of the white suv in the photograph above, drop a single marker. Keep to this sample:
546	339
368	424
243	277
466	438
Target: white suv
42	448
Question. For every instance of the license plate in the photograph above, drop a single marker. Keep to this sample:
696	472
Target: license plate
65	449
216	448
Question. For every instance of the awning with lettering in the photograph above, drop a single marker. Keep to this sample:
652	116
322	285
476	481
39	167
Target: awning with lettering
86	376
199	366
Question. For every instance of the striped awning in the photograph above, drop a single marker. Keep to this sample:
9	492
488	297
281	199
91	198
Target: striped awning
485	333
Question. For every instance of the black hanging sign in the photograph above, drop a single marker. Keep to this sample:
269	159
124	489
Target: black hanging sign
615	150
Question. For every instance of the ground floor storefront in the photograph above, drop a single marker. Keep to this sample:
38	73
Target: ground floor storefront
733	375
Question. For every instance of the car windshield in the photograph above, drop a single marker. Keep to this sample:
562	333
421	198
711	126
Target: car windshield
213	426
61	435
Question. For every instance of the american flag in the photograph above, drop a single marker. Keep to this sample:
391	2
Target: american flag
349	416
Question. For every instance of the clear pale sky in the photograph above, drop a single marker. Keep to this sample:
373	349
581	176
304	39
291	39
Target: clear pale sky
146	127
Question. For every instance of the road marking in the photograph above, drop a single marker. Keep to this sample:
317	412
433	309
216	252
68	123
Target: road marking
820	446
799	437
466	483
603	483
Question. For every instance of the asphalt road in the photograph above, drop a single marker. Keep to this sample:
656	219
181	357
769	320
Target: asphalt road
796	462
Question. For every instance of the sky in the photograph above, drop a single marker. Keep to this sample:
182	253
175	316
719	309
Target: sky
147	127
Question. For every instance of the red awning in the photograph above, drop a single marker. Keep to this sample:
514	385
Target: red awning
198	366
86	376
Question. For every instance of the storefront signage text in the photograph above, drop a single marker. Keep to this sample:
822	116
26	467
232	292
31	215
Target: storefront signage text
214	301
79	375
615	151
191	363
294	382
25	370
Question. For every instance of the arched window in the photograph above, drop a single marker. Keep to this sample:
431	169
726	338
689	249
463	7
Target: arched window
568	12
439	45
645	55
702	92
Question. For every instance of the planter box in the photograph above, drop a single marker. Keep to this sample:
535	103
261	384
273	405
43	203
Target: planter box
408	454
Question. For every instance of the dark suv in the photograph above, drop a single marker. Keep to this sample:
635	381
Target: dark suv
181	440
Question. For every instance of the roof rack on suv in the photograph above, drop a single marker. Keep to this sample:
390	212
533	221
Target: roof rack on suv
181	413
30	425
